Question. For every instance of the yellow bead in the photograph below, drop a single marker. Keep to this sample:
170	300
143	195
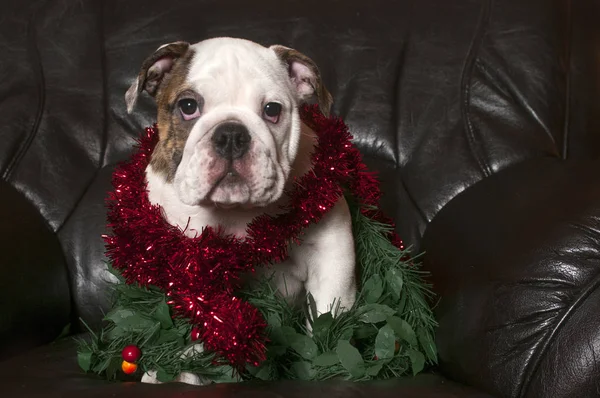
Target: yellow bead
128	367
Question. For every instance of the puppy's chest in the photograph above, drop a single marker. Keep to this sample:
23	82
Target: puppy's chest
230	222
235	222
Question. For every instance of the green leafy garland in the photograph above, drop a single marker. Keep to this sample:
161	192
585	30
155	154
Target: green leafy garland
389	332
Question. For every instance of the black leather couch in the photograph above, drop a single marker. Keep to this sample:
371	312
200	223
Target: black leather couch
482	117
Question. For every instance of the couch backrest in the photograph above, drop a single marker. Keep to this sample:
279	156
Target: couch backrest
439	94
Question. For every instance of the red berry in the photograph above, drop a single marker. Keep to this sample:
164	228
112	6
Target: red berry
131	353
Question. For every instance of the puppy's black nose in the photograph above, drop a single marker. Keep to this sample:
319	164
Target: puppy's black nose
231	140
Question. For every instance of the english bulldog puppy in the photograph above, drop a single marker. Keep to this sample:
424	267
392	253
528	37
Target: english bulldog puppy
230	142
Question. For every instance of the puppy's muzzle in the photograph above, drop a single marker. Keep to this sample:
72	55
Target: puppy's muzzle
231	140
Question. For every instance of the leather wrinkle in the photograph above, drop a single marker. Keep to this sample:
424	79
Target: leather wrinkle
413	200
396	97
80	197
567	102
465	84
36	63
350	88
396	105
105	99
492	62
104	139
508	88
532	367
587	231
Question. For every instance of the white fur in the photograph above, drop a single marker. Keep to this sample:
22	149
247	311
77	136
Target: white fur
265	175
236	78
324	264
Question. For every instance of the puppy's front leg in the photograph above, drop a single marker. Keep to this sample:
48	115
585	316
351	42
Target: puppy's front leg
331	263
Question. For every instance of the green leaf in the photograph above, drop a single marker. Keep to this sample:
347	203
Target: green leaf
322	324
395	281
114	365
312	307
224	374
163	315
277	350
169	335
277	336
403	330
400	306
133	291
65	332
373	288
365	331
284	335
274	320
84	359
417	360
385	342
129	319
116	333
375	313
373	370
326	359
350	358
184	330
346	334
116	273
263	372
151	334
163	376
305	346
101	366
303	370
426	341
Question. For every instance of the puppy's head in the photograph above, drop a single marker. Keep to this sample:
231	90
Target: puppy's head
228	117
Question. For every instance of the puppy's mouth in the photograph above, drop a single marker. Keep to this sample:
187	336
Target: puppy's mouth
230	190
209	179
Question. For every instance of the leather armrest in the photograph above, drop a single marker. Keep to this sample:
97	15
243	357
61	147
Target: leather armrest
35	301
516	262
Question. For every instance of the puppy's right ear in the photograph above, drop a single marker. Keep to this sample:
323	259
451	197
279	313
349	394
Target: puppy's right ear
154	69
305	76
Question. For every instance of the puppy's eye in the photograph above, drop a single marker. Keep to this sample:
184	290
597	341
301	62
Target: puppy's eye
272	111
189	108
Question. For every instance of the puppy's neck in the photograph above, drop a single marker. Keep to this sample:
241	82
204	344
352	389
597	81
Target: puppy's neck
193	219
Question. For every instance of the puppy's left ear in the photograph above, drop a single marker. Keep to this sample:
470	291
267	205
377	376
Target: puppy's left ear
305	76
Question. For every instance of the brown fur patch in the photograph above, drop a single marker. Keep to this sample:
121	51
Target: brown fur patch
173	129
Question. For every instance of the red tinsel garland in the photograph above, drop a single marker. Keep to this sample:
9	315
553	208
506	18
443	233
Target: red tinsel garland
201	275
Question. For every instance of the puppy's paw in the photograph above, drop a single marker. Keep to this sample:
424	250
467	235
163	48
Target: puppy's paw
192	378
150	377
184	377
